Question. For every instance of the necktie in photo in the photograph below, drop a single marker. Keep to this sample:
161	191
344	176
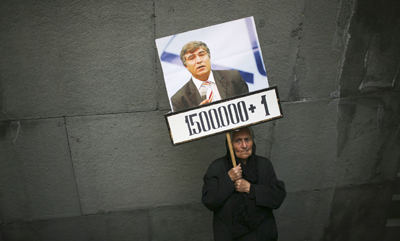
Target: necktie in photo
209	94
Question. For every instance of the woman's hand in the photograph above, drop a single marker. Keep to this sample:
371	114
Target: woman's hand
242	185
235	173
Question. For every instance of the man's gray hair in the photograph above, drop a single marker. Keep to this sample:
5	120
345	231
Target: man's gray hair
191	47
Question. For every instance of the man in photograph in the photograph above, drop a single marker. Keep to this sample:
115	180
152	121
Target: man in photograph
206	85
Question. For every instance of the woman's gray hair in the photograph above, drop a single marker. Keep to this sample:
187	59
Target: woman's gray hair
253	137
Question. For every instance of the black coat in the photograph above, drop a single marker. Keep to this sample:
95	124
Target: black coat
269	192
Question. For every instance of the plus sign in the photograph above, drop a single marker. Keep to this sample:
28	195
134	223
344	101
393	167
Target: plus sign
252	108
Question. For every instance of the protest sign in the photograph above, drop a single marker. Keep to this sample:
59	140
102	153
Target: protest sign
217	117
216	81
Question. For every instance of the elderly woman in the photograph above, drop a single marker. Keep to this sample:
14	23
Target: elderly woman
243	197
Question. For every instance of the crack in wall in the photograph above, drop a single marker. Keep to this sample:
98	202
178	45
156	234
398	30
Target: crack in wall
16	135
156	55
364	82
342	37
72	165
6	115
396	77
294	88
18	129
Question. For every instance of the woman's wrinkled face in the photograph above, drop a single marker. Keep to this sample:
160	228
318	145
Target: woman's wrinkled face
242	144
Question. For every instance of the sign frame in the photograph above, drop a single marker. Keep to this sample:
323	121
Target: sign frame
171	114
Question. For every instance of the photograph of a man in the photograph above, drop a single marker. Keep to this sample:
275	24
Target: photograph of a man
205	85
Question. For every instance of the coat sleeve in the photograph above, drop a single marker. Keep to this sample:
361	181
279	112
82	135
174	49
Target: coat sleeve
217	186
269	192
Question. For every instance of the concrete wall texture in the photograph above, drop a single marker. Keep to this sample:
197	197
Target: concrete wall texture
85	152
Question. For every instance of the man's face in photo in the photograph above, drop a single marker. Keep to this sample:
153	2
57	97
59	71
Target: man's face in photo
198	64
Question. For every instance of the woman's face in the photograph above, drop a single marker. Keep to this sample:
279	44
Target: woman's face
242	144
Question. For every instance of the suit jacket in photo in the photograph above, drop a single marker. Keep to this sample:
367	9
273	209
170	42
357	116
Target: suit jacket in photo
229	82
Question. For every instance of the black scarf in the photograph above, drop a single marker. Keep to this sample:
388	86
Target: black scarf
246	216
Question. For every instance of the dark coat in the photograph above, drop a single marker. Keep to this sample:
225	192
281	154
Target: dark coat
269	192
229	82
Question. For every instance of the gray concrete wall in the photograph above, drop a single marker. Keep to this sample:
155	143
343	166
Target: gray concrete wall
84	148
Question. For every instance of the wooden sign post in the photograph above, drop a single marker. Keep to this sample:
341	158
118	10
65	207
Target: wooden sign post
228	137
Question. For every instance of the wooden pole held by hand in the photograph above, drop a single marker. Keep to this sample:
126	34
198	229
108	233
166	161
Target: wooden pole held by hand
228	137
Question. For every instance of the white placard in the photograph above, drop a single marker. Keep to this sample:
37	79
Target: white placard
217	117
